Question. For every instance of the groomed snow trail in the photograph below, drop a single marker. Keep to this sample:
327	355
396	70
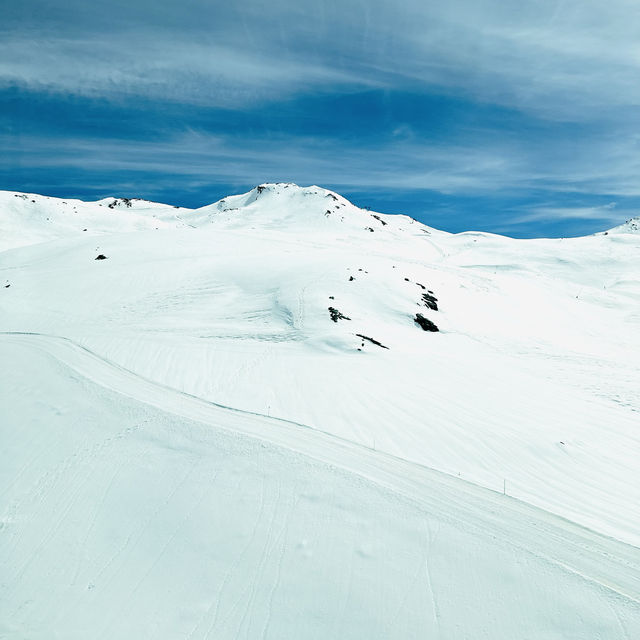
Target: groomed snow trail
227	524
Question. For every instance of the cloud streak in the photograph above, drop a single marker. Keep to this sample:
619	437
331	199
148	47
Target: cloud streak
399	165
606	212
575	60
189	72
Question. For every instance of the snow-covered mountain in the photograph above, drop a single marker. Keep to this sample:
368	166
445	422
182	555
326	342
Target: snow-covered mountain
30	218
281	415
630	226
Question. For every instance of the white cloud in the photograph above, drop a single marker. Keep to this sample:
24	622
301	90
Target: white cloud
217	159
571	59
607	212
159	67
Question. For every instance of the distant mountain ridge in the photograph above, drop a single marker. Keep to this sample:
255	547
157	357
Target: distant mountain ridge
27	218
30	218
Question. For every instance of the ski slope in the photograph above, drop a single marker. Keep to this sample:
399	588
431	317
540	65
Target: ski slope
194	448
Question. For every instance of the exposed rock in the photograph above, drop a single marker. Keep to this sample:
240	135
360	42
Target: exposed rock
425	323
430	301
379	344
125	201
336	315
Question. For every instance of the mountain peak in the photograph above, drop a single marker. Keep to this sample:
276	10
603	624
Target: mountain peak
288	191
630	226
286	205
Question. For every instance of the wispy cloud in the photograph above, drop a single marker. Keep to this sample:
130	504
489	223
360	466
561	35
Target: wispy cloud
216	158
157	67
489	167
606	212
575	59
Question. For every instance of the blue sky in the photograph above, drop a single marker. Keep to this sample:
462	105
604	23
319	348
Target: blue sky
513	117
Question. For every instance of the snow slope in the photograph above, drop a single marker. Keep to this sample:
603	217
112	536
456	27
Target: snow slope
212	454
29	218
630	226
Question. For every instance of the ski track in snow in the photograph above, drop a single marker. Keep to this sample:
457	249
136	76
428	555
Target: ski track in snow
142	581
478	507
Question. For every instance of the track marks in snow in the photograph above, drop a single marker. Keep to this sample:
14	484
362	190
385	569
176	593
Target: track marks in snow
371	485
169	540
118	558
73	470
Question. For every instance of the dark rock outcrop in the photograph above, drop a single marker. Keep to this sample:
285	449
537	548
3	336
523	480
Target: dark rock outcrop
430	301
336	315
425	323
379	344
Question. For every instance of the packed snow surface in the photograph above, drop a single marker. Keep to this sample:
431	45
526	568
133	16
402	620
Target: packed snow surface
233	425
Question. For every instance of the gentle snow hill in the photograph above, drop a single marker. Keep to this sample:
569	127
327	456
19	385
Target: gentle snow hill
27	218
289	315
